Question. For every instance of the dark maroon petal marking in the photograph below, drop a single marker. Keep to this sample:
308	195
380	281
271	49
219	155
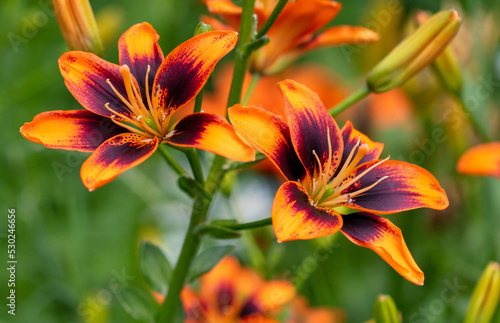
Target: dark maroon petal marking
364	227
186	69
309	124
85	75
250	307
408	187
138	47
225	298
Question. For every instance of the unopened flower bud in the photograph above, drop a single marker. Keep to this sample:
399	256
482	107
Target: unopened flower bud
415	52
202	28
385	310
485	297
445	66
78	25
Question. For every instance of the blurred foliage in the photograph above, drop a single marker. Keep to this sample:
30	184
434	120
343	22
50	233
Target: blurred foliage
76	250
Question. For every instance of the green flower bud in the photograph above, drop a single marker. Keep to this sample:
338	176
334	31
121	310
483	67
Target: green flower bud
484	299
385	310
415	52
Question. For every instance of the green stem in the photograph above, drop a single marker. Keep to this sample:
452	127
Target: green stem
198	101
242	58
349	101
272	18
251	88
171	161
194	162
473	121
191	244
250	225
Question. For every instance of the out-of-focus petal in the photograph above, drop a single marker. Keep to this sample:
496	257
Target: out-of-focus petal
310	127
192	307
408	187
295	218
211	132
138	48
186	69
351	136
115	156
386	239
287	33
269	135
482	160
341	35
85	75
269	298
79	130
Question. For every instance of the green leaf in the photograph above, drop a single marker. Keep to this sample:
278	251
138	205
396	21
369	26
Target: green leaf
193	188
137	304
206	260
155	267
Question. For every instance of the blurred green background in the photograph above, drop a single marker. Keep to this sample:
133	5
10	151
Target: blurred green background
76	249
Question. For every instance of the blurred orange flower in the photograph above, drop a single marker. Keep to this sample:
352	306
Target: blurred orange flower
481	160
302	313
231	293
297	29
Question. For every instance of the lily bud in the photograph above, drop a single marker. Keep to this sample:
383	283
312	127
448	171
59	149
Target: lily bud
415	52
202	28
385	310
78	25
485	297
445	66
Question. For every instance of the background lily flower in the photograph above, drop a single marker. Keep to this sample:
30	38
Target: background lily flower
301	312
330	169
231	293
482	160
129	106
296	30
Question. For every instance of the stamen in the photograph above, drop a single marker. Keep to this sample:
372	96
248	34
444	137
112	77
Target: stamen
127	81
129	106
152	108
352	181
122	116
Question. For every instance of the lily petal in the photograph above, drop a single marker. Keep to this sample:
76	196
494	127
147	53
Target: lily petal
191	304
269	298
269	134
79	130
351	136
211	132
115	156
383	237
85	75
139	48
286	34
482	160
310	125
295	218
341	35
186	69
408	187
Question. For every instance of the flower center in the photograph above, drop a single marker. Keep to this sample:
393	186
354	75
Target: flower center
328	191
144	118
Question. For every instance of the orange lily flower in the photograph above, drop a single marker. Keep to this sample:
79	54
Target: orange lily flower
124	122
231	293
302	313
333	173
296	30
481	160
